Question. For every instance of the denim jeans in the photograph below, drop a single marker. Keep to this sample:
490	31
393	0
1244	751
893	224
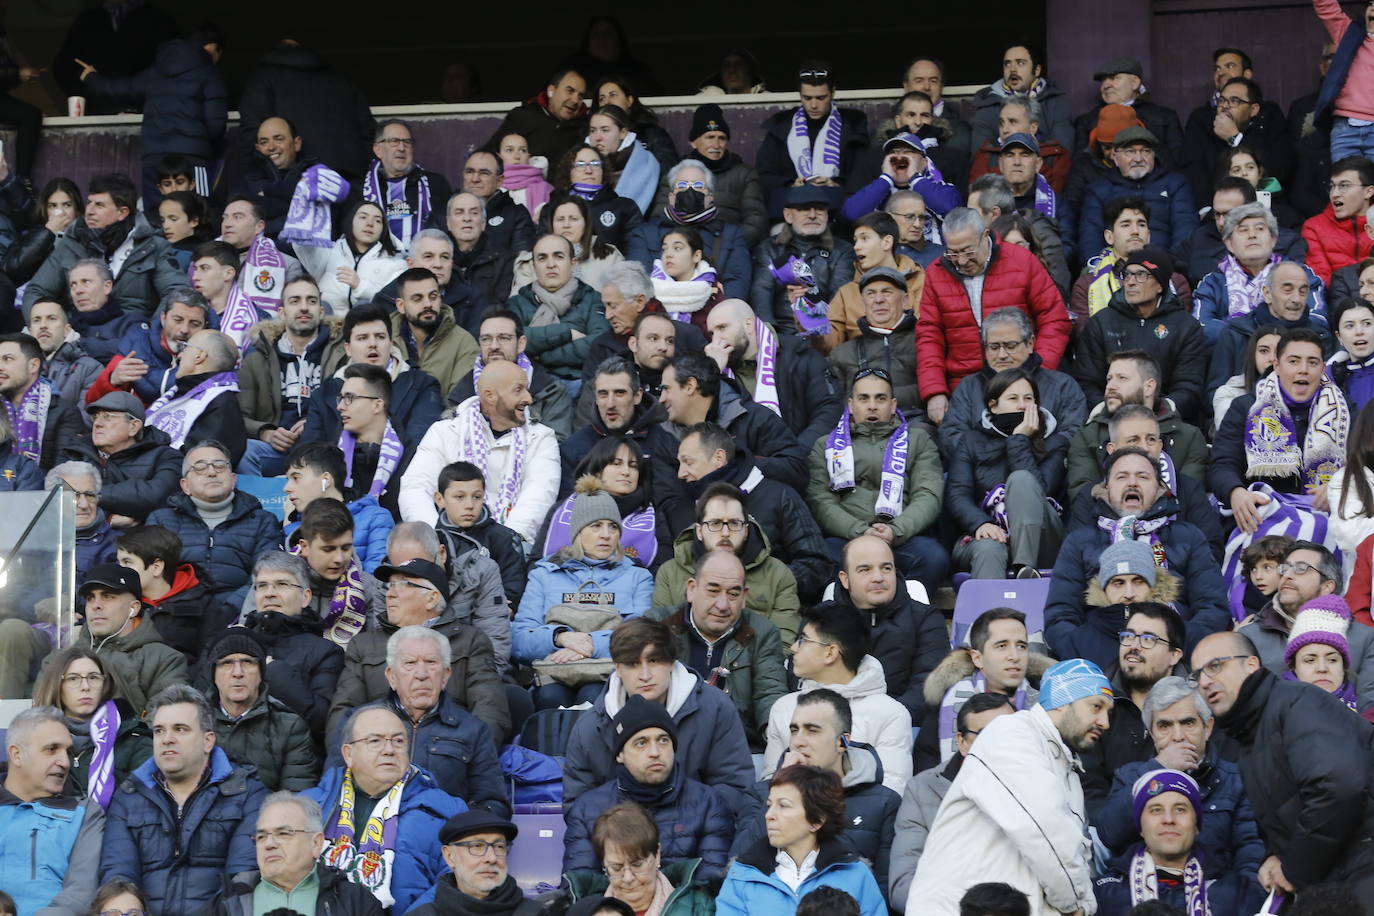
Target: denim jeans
261	460
1351	139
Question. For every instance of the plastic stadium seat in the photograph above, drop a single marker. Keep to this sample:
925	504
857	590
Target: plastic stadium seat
536	856
977	595
914	588
270	491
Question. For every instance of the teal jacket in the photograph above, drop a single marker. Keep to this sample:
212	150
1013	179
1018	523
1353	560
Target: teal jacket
552	345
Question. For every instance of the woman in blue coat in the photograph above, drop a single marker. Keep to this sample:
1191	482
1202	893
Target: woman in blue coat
804	820
591	571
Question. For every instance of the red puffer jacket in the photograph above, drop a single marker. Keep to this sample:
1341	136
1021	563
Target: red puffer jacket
947	342
1334	243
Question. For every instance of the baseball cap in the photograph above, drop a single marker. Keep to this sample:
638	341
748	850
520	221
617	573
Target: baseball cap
111	576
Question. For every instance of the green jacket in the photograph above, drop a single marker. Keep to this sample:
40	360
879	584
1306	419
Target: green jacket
1183	442
772	587
142	660
848	513
689	897
272	738
753	656
449	354
552	345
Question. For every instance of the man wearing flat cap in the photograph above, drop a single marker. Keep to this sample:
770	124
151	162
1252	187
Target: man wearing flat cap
476	846
800	268
1138	172
139	469
1121	81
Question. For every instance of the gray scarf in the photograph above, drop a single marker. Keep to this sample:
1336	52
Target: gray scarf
552	305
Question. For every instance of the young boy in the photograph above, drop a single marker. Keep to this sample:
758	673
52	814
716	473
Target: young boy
176	172
178	603
461	501
314	471
1259	579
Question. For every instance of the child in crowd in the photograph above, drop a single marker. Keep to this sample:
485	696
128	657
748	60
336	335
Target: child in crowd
1259	578
461	500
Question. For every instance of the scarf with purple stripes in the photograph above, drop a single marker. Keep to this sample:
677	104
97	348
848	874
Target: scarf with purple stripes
839	458
1046	201
638	532
822	158
521	360
474	445
30	418
1271	438
1144	882
1345	693
585	191
366	852
1132	528
308	221
104	733
766	379
238	316
811	313
387	462
377	189
175	414
264	275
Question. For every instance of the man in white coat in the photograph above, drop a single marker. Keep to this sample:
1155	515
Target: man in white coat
1015	812
518	457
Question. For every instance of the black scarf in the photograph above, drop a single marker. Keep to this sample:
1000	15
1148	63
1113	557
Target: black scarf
500	902
648	796
108	238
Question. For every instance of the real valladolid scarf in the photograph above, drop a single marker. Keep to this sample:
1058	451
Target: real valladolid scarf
1271	440
839	458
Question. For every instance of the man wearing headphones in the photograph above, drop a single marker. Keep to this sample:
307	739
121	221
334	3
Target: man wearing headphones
113	631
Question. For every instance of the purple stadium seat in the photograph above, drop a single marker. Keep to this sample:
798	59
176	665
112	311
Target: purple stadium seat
536	857
977	595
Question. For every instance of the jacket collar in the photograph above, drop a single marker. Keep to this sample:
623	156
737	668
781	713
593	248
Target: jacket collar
833	851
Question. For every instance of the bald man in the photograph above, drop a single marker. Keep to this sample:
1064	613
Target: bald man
204	404
779	371
518	458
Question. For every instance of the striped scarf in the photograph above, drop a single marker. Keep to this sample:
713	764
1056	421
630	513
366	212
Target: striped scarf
366	856
1271	438
1285	514
820	159
953	701
347	606
1144	882
405	222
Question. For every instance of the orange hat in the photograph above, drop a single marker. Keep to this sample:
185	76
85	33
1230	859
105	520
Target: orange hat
1112	119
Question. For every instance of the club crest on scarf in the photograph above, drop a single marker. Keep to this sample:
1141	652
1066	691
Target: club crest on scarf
1271	439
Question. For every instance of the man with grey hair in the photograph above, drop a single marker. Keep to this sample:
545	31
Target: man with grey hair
477	262
185	817
508	224
94	313
204	403
94	536
446	739
909	209
979	274
52	830
289	839
780	292
1236	287
691	202
1180	726
146	356
1008	341
993	196
1138	172
1023	116
407	193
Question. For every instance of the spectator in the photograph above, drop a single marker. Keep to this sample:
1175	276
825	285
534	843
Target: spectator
289	840
373	456
248	225
476	846
906	164
460	496
1022	78
55	212
408	194
1203	251
832	651
268	181
570	216
114	630
94	536
617	90
1175	338
1001	477
805	253
186	816
182	313
948	317
521	178
183	217
927	789
36	802
1126	231
594	576
1336	237
886	332
1284	734
997	898
1021	160
711	740
736	649
1121	82
1026	229
738	192
317	471
89	695
508	227
552	121
112	232
1344	98
947	125
222	530
203	404
1241	117
176	601
402	828
684	281
584	174
99	319
1138	173
631	162
1352	320
805	848
501	336
253	727
907	636
984	811
1244	162
559	311
280	370
364	259
119	894
447	741
1137	505
876	239
433	249
138	467
66	362
909	210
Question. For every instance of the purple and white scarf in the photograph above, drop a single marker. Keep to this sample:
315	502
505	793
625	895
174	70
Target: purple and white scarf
1271	439
1286	515
30	418
1243	291
239	315
584	190
1132	528
822	158
638	532
390	459
264	275
347	606
810	312
680	298
104	732
766	379
475	446
308	221
954	699
377	189
839	458
1046	201
521	360
175	414
1143	879
368	855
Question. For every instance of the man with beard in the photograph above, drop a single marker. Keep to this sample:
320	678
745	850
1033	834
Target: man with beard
433	249
476	846
66	361
624	407
279	374
204	402
145	358
1015	811
40	418
806	239
778	370
1136	505
425	327
501	336
508	225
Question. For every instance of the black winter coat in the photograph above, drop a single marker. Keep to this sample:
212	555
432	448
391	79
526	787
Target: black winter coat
185	106
187	618
832	266
1306	762
504	546
221	420
984	459
909	638
615	217
272	738
776	169
546	135
506	900
1266	134
227	552
1194	508
273	187
509	226
807	394
724	246
1059	394
490	271
137	480
305	666
415	405
337	896
893	352
1228	356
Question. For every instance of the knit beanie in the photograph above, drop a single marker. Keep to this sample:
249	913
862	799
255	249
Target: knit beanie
1126	558
591	504
1157	782
1322	621
1156	260
1072	680
638	714
237	644
707	118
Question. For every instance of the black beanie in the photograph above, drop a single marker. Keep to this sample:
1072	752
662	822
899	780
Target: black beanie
708	117
1156	260
637	715
237	644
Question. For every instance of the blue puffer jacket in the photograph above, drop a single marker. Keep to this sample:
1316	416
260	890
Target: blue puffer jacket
1172	214
178	860
371	527
419	858
94	544
618	584
17	472
1212	302
752	887
227	553
49	851
144	340
694	821
101	330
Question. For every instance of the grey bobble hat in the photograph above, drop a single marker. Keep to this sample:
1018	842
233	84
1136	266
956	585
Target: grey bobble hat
1126	558
592	504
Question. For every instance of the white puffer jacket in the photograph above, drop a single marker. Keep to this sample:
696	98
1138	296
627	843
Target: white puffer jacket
375	270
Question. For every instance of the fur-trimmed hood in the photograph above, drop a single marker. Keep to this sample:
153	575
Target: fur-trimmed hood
1166	591
958	665
271	329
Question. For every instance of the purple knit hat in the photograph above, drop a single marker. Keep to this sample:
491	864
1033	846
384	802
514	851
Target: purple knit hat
1157	782
1322	621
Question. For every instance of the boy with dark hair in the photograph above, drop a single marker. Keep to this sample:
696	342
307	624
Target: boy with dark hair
464	518
994	900
317	471
177	602
827	901
176	172
1259	579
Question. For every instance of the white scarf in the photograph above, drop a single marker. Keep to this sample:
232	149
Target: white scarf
475	447
766	378
175	415
822	158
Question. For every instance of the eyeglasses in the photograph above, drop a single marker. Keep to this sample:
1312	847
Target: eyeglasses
1136	276
76	680
281	834
908	217
1297	569
1344	187
816	642
715	524
487	340
690	185
219	465
1143	640
813	76
478	848
965	252
638	867
348	397
1230	101
397	584
88	496
1211	669
397	141
261	587
1005	346
375	743
588	164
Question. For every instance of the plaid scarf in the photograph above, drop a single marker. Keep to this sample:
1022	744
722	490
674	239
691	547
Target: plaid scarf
369	861
1144	882
30	418
1271	446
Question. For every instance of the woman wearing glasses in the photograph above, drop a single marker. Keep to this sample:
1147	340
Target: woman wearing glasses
108	739
626	840
583	172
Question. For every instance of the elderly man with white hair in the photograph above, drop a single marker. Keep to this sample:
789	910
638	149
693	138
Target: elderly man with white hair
203	403
94	536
